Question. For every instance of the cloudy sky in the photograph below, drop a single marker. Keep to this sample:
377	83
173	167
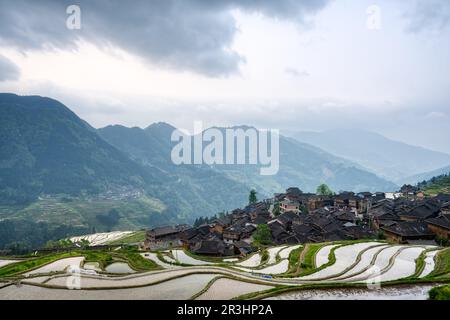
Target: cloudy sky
286	64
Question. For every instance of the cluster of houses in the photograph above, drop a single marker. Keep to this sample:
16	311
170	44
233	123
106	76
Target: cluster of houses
297	217
405	220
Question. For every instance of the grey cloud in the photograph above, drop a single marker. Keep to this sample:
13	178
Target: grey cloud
8	70
431	15
193	35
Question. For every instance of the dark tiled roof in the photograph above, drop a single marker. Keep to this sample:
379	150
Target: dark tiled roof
443	197
287	217
168	230
188	234
423	211
346	216
409	229
209	247
441	221
243	244
446	206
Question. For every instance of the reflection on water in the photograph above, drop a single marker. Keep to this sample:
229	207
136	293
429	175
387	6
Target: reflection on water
414	292
119	267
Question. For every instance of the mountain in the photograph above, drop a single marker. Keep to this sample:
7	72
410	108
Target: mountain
46	149
387	158
200	189
437	185
300	164
413	180
61	177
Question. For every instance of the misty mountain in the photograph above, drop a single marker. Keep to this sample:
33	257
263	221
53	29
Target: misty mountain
300	164
390	159
59	172
46	149
413	180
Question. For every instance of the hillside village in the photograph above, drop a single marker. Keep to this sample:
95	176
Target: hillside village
408	216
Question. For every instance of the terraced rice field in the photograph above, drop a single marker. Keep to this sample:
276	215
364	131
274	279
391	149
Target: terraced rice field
390	293
183	258
429	263
323	254
178	289
95	266
359	262
284	254
365	262
346	256
273	252
226	289
404	265
57	266
252	262
119	267
102	238
6	262
382	261
278	268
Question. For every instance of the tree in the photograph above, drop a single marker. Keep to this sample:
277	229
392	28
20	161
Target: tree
263	234
381	235
324	190
252	199
276	209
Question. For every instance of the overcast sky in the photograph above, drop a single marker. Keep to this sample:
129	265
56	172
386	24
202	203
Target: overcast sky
284	64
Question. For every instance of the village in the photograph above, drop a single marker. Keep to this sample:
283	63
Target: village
294	217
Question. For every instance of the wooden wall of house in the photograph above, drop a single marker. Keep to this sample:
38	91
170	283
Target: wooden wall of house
441	232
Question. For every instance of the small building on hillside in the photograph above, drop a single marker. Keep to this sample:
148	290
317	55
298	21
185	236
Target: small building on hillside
427	210
445	209
440	226
212	248
289	205
403	231
160	236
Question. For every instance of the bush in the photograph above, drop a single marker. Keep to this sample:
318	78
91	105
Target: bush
443	242
440	293
263	235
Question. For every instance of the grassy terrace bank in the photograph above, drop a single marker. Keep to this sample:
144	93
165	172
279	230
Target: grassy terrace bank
104	258
442	267
135	237
301	262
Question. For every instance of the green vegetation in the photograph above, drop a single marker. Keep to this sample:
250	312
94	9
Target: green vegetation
381	235
440	293
129	255
442	266
308	261
443	242
24	266
436	185
263	236
264	256
135	260
252	199
276	209
294	260
135	237
324	190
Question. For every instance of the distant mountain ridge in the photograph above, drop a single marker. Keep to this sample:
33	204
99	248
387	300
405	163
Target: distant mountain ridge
426	176
47	149
393	160
59	173
300	164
